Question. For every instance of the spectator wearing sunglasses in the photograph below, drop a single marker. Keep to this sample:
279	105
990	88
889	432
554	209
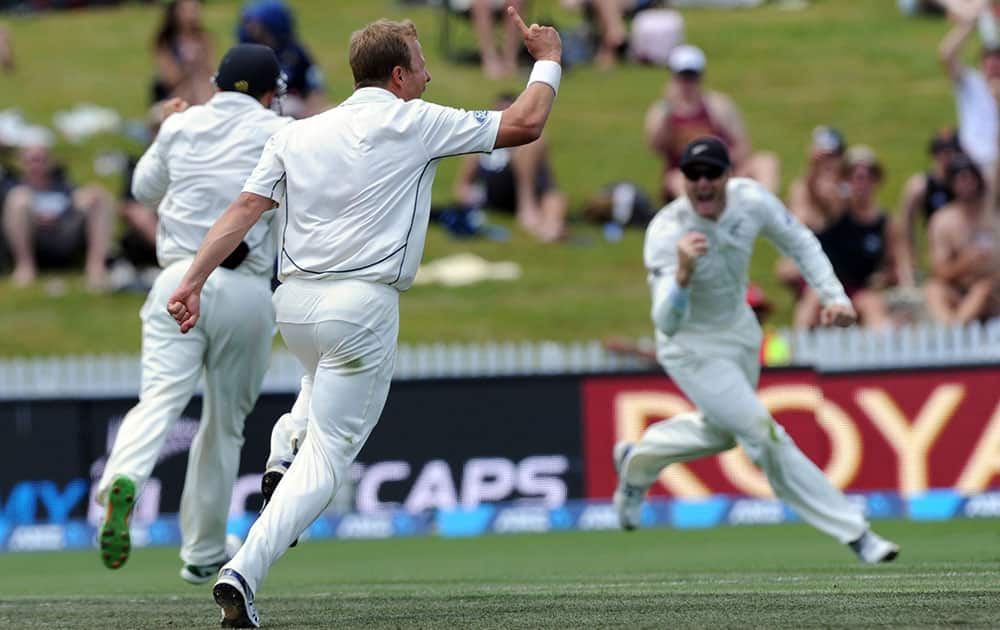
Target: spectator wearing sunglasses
688	111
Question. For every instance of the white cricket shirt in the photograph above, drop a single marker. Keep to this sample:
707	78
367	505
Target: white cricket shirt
196	167
353	184
718	314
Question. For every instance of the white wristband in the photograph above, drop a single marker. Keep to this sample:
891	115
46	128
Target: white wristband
548	72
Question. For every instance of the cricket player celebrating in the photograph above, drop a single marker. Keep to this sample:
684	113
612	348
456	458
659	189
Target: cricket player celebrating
697	251
198	163
353	187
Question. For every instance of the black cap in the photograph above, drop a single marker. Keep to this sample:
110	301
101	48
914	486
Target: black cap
249	68
944	140
961	163
706	150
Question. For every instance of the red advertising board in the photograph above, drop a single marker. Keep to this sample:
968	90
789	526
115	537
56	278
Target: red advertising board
907	431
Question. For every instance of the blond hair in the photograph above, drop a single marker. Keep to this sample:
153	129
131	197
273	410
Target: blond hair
378	48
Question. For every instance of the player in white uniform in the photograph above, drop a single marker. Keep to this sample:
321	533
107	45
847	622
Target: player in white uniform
353	191
697	252
198	163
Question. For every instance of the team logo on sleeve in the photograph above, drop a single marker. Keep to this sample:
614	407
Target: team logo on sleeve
480	116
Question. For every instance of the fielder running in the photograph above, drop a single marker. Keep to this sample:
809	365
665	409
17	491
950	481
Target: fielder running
198	163
353	188
697	251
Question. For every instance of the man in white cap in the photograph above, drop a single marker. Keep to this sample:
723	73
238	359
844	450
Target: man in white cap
688	111
707	338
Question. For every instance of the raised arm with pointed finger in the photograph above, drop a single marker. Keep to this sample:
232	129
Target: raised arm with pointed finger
524	120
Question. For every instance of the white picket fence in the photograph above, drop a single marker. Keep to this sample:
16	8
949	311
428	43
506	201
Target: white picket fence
108	376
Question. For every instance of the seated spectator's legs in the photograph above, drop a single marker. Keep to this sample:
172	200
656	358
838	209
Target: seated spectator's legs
98	208
872	309
947	305
541	209
496	64
554	207
765	167
614	33
18	229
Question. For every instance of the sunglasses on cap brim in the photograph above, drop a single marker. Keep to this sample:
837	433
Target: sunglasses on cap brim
696	171
689	74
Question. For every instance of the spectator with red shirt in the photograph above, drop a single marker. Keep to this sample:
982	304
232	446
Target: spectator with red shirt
688	111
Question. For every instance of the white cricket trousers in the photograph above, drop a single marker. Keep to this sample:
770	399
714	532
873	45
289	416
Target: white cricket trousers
344	333
724	390
231	345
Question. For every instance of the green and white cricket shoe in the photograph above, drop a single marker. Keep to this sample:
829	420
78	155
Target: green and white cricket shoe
114	539
627	498
233	595
200	573
872	548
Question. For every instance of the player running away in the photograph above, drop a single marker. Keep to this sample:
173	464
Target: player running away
697	251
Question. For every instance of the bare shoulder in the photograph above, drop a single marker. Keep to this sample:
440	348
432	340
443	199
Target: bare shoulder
719	103
946	220
915	185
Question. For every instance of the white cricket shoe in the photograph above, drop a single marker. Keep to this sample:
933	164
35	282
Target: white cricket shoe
872	548
627	498
233	595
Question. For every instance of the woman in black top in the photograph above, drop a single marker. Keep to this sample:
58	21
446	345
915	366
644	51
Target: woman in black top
858	245
924	193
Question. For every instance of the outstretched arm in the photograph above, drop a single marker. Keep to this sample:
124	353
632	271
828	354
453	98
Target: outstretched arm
964	14
796	241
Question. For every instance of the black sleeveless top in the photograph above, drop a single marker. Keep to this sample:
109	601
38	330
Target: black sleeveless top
936	195
856	250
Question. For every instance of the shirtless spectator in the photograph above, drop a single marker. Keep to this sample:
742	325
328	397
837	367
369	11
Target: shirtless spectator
688	111
923	195
963	251
50	223
517	180
819	197
858	245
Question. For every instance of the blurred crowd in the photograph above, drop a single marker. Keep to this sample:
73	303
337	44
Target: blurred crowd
875	252
49	221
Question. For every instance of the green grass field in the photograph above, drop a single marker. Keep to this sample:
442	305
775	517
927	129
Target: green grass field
785	576
857	64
